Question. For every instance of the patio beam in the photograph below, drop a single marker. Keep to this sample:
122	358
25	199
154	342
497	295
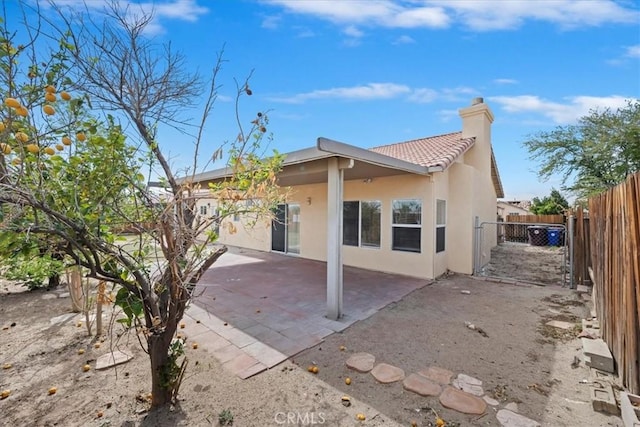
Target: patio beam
335	179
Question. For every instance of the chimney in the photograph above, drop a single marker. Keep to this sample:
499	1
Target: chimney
476	123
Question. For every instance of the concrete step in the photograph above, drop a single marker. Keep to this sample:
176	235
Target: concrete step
603	399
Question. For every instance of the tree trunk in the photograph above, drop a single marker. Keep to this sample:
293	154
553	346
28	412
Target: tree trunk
161	394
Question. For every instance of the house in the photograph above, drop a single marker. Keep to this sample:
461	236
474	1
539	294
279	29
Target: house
406	208
513	207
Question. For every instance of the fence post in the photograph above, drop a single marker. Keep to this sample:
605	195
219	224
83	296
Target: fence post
476	250
571	225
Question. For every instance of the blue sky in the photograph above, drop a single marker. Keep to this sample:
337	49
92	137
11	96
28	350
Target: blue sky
372	72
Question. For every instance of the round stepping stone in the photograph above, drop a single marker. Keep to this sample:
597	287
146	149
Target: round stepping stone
460	401
421	385
385	373
361	362
508	418
438	375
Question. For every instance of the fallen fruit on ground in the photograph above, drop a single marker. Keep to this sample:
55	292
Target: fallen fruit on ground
100	414
97	345
79	324
342	348
315	370
347	381
194	345
81	351
440	422
7	366
12	102
49	110
182	325
5	394
86	368
360	417
65	95
53	390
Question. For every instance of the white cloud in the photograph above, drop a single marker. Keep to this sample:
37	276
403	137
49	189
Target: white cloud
182	10
505	81
352	31
367	92
404	39
271	22
633	51
561	113
479	15
374	91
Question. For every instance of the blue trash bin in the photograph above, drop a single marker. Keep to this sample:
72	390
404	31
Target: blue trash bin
555	236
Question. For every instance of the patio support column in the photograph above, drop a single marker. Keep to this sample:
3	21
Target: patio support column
335	178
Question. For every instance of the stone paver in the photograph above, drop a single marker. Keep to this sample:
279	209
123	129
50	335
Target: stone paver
490	401
421	385
112	359
361	362
508	418
511	406
468	384
385	373
460	401
436	374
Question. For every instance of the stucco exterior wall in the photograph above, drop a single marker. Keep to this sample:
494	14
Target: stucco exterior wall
441	192
460	218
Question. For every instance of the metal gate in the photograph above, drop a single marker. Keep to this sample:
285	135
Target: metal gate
523	252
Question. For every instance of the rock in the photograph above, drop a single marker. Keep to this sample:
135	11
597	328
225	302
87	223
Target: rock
48	296
112	359
421	385
64	295
490	401
438	375
465	292
386	373
560	324
361	362
512	406
469	384
507	418
460	401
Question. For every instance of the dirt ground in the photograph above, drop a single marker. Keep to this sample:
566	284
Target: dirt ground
519	361
524	262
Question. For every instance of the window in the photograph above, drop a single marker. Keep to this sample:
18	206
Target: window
361	224
203	209
406	225
441	222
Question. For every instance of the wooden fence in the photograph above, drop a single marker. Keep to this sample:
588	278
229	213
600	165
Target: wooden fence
614	223
517	233
581	247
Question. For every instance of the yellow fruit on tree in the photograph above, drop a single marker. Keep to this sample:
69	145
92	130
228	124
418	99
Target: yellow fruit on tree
5	148
59	147
21	136
50	97
65	95
33	148
16	161
66	140
48	110
2	126
50	151
12	102
80	136
50	89
21	111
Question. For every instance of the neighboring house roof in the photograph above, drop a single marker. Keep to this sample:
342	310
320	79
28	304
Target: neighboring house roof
435	151
438	152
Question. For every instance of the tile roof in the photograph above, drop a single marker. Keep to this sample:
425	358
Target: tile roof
435	151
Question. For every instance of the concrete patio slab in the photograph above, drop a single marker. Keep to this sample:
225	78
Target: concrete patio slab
250	298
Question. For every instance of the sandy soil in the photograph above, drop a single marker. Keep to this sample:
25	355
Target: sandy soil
520	361
521	261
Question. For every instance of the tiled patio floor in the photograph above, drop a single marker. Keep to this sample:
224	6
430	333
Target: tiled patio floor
258	308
